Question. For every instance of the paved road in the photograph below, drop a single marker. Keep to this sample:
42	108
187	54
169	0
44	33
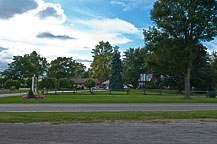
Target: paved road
103	107
119	132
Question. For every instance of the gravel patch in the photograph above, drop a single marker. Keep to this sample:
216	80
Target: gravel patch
198	131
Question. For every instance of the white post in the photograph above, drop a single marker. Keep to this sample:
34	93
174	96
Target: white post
33	82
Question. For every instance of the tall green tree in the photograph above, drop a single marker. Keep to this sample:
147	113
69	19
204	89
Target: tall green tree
101	65
134	65
213	66
116	81
26	66
65	67
39	63
184	23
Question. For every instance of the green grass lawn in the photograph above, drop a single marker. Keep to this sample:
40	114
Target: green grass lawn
67	117
75	99
131	92
135	96
16	91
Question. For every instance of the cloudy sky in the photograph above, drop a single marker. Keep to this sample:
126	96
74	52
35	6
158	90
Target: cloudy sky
71	28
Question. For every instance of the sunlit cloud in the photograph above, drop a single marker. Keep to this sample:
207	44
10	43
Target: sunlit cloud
132	4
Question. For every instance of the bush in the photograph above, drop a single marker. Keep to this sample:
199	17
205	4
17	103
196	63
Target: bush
211	94
47	83
150	86
31	94
9	83
89	84
65	83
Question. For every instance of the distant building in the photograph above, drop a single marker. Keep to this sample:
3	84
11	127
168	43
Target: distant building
100	83
145	78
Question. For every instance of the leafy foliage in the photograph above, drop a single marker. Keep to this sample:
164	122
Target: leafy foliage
89	84
29	82
214	69
26	66
65	83
182	26
134	65
47	83
9	83
101	64
64	67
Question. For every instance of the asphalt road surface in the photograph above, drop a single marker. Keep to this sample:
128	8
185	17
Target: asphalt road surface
118	132
103	107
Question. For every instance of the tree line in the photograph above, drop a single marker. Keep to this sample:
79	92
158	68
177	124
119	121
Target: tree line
166	67
23	68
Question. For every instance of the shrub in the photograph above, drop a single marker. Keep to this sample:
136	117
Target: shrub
31	94
47	83
9	83
89	84
150	86
211	94
65	83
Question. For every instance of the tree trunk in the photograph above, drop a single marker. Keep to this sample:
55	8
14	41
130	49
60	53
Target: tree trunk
187	83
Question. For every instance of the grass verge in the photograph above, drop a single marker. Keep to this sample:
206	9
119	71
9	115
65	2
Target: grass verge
106	99
67	117
9	92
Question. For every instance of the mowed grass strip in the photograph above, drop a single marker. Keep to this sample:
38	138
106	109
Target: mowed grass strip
67	117
105	99
9	92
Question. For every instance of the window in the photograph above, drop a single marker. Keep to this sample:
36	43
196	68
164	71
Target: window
149	77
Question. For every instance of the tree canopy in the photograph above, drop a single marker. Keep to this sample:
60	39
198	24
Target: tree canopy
134	65
65	67
90	84
26	66
182	26
101	65
214	69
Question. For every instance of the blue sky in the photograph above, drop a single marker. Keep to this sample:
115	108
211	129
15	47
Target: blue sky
71	28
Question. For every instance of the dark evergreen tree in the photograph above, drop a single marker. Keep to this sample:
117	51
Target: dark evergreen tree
116	81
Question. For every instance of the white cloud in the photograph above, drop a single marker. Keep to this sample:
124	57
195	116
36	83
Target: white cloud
111	25
118	3
212	45
131	4
24	33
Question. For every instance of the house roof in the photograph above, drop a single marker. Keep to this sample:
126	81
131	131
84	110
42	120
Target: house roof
82	80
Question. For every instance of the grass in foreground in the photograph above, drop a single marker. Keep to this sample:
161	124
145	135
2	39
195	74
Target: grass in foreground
67	117
106	99
16	91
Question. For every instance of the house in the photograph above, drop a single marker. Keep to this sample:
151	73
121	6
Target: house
145	78
100	83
